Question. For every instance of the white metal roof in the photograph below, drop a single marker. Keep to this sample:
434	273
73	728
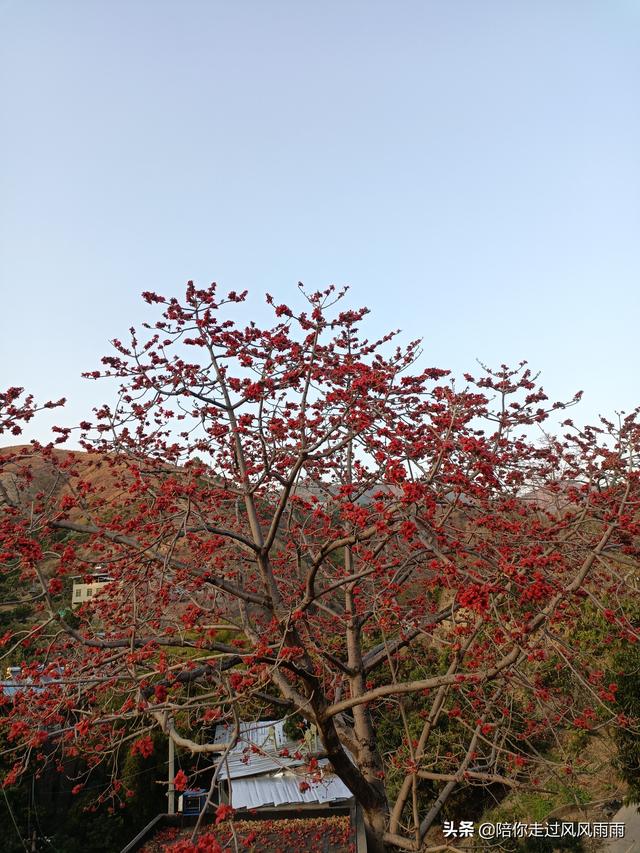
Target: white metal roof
284	788
262	747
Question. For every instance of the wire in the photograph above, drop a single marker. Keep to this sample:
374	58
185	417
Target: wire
14	820
35	809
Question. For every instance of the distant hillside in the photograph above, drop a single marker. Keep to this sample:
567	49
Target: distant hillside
27	474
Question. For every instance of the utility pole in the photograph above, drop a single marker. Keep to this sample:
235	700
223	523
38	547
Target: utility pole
171	793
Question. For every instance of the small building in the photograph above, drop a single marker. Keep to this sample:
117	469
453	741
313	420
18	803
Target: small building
279	788
11	687
86	586
16	684
266	768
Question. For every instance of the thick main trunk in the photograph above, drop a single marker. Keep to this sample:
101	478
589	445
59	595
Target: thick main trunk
368	793
375	821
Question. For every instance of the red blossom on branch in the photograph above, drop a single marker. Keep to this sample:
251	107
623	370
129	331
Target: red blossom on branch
299	519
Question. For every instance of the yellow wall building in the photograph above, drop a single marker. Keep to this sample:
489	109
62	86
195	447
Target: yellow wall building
84	591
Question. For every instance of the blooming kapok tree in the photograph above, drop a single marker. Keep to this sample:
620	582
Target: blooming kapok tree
300	518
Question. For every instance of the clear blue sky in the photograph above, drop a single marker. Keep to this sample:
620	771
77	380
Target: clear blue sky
471	169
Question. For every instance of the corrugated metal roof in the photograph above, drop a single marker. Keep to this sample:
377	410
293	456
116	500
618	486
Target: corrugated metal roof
267	733
260	749
284	788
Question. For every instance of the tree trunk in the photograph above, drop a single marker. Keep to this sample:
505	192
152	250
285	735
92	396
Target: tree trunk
375	822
